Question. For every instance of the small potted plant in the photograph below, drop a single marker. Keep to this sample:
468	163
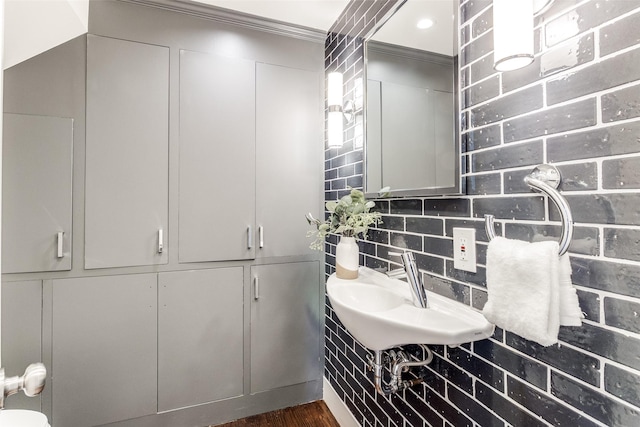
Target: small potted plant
349	217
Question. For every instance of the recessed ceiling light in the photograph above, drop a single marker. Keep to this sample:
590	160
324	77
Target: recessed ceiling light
425	23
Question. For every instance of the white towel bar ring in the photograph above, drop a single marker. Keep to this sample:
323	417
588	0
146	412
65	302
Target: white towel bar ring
545	179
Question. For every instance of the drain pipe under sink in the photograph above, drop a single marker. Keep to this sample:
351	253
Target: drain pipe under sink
399	363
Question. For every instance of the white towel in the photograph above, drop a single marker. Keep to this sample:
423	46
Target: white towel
524	282
570	313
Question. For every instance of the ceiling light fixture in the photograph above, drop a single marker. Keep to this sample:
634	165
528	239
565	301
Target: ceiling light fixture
425	23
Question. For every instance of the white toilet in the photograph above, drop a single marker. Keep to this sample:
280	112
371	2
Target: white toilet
22	418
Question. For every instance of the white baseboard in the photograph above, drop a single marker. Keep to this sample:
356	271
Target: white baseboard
337	407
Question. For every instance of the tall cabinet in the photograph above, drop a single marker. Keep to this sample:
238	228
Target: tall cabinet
288	153
177	144
250	150
217	158
127	175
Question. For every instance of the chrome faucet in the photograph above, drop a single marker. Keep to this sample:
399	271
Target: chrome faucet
412	274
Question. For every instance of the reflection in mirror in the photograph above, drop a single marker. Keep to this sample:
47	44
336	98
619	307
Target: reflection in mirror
411	101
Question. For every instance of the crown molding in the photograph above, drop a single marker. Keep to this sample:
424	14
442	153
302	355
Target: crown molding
231	17
409	53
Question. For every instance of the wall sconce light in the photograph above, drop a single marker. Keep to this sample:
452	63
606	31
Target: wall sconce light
339	112
334	117
513	32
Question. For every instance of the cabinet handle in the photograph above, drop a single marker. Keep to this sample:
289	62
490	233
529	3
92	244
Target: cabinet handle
261	236
160	241
256	288
249	238
60	242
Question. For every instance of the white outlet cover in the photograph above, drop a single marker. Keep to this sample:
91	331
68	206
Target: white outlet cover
464	259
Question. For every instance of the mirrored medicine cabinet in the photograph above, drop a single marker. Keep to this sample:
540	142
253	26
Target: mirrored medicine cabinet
411	139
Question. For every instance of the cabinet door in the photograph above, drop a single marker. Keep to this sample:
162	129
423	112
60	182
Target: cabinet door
127	189
285	325
200	337
289	156
36	193
217	158
104	349
21	335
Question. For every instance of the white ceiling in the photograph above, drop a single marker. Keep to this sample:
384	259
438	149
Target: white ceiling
30	30
401	28
318	14
321	14
34	26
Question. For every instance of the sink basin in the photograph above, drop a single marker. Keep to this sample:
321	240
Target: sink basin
379	313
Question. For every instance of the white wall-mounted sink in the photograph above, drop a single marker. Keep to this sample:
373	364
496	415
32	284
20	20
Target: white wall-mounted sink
379	313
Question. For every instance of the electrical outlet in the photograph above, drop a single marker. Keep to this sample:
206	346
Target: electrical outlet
464	249
462	242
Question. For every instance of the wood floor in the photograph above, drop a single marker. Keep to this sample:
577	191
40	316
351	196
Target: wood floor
315	414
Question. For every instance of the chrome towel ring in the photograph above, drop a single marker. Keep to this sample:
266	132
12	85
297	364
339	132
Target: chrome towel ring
545	179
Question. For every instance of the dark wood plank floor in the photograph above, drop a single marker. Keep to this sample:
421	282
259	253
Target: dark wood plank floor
315	414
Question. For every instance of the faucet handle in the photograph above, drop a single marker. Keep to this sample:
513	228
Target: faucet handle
394	253
398	273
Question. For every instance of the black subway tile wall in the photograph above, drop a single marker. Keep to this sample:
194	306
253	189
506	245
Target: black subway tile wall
576	106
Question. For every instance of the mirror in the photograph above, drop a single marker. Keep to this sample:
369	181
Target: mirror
411	96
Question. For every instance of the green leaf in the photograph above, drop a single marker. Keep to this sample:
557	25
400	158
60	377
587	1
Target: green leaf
347	200
384	191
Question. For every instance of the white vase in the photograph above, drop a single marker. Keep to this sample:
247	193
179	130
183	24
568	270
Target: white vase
347	258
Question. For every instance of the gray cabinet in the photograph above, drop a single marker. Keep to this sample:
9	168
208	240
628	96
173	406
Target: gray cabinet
164	346
217	158
245	130
285	325
104	349
200	337
21	334
36	183
289	134
127	177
